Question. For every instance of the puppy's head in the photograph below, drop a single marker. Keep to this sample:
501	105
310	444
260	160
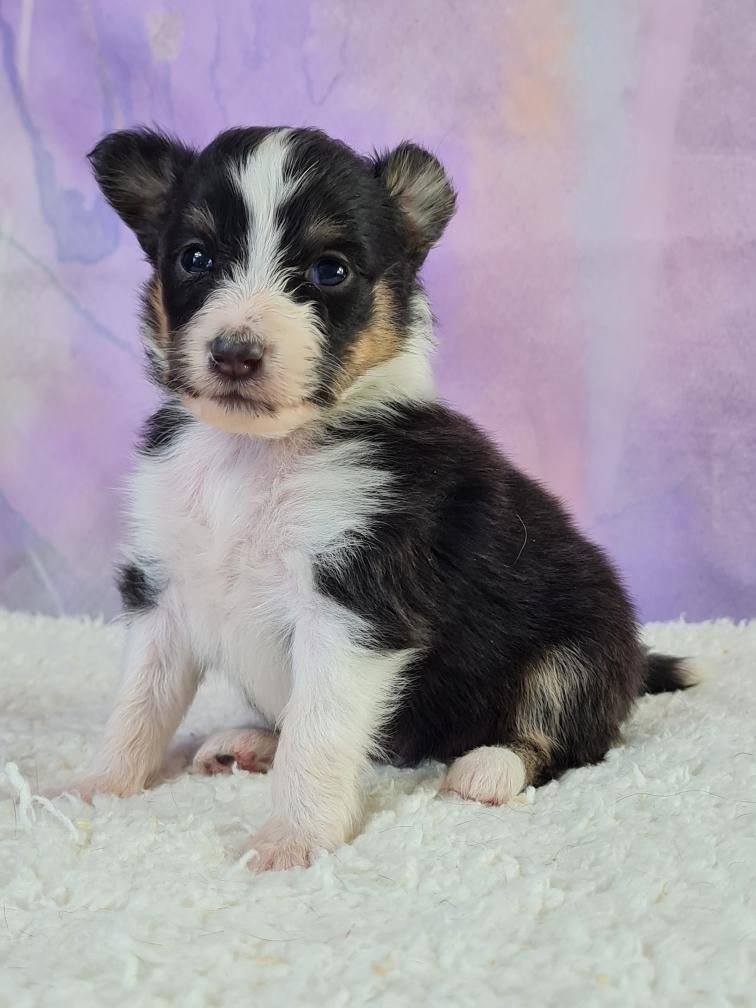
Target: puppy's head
284	264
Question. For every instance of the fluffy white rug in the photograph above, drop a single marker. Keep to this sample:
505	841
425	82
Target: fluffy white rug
628	883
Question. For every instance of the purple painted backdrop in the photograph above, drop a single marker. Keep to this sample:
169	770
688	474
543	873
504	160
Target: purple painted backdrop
596	293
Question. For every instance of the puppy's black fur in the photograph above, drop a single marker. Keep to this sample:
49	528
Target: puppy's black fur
482	571
138	590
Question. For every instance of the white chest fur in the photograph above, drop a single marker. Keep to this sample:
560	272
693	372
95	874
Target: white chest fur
234	525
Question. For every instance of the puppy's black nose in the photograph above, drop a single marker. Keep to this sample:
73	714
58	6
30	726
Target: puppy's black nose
234	357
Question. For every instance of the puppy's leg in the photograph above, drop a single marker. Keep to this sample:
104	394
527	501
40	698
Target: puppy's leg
158	685
342	693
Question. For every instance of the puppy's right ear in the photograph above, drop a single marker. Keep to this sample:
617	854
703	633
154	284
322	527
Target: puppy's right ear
136	169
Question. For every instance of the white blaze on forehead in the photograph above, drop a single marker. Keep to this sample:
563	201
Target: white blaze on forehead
261	180
254	296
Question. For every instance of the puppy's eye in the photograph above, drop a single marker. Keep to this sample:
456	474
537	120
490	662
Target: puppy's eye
327	273
196	260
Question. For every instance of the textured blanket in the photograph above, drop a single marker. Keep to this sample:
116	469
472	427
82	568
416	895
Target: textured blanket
627	883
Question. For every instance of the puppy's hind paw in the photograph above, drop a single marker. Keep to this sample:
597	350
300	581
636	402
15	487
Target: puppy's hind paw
251	749
492	775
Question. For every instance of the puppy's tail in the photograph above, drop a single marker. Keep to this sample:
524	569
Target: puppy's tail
664	674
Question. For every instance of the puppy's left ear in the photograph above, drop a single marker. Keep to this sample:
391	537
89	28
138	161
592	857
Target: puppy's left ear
423	191
136	170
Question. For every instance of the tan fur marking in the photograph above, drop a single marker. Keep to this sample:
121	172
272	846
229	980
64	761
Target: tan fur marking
549	683
324	232
377	343
199	217
535	752
158	333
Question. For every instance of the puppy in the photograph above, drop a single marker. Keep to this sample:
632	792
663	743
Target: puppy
308	517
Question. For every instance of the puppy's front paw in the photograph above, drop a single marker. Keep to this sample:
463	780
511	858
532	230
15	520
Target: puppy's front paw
279	845
251	749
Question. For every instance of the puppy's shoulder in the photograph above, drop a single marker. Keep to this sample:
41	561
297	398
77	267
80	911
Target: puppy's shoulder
425	442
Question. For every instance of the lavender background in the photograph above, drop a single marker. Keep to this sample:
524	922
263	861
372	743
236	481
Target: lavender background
596	292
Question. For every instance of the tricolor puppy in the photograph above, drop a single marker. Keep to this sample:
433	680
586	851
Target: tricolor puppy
308	518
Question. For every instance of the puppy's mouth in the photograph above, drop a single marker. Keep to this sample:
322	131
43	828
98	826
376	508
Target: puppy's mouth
235	398
231	396
237	401
238	414
244	407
